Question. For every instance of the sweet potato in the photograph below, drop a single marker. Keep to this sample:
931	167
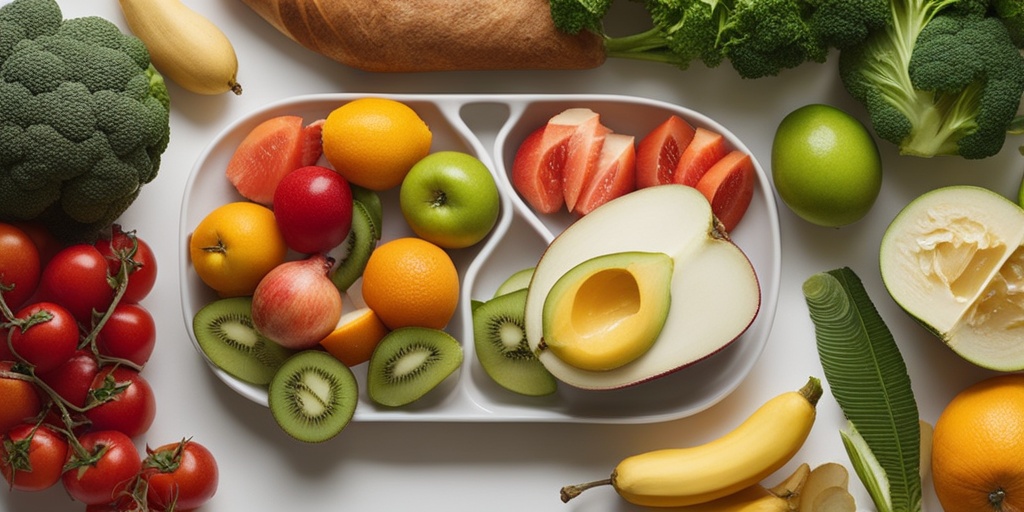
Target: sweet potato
432	35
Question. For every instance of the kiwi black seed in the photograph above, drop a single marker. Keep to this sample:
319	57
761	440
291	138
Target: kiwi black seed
499	337
360	243
409	362
226	335
313	396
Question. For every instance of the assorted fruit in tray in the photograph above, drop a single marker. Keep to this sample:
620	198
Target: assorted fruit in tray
305	241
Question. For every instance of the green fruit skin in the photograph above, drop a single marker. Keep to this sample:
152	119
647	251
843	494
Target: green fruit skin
450	198
826	166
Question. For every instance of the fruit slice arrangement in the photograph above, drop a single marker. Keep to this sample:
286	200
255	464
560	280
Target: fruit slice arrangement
577	162
489	335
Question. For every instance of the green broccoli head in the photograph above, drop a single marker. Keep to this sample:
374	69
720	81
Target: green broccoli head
84	119
575	16
843	23
690	28
954	93
764	37
1012	14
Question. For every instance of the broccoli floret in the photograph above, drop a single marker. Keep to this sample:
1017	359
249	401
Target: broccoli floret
1012	14
758	37
574	16
84	119
763	37
942	79
843	23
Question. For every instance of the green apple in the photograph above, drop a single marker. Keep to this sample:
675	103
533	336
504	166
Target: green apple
450	198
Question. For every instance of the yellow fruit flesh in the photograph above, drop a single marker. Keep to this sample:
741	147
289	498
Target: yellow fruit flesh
603	318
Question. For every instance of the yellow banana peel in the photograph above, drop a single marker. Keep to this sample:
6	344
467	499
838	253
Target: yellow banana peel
734	462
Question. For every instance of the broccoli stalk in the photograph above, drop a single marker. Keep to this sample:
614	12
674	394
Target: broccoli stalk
758	37
943	78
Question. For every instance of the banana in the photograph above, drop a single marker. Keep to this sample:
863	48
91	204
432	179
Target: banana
184	46
758	447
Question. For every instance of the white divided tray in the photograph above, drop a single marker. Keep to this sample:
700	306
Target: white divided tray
516	242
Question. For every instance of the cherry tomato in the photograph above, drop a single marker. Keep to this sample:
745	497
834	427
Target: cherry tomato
122	504
73	379
123	401
47	339
129	333
32	457
19	400
76	278
142	274
47	244
183	474
107	469
20	266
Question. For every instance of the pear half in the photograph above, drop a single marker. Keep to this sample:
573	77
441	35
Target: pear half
712	293
952	259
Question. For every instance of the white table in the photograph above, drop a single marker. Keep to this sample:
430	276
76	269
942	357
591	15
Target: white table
498	466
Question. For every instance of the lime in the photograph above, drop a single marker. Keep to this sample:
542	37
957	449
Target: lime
825	165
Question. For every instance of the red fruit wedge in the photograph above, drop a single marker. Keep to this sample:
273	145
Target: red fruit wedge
706	148
614	174
272	149
658	153
584	149
537	170
729	187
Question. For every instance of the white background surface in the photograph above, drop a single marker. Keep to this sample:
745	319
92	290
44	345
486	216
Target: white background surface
497	466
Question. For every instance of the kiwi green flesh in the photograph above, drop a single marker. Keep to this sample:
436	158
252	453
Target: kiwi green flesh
518	281
501	346
373	204
226	335
313	396
409	362
359	245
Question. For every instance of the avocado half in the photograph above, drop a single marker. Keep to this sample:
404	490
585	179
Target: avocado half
709	296
952	259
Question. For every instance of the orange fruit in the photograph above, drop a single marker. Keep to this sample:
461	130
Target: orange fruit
357	334
977	445
373	142
411	282
234	246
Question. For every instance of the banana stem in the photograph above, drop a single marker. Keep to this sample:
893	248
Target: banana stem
571	491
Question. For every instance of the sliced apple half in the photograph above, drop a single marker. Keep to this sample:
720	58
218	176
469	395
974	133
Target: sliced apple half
713	292
952	259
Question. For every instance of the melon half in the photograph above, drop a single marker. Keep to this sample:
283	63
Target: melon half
953	260
712	296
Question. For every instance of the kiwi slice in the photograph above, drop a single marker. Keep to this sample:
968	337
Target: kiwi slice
372	202
518	281
500	339
409	362
226	335
360	243
313	396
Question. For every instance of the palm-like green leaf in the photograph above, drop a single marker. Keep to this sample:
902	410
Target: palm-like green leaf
868	378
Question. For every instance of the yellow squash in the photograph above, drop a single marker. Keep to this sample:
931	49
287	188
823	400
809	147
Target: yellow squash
184	46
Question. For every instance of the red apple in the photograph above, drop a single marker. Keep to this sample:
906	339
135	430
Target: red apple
613	176
313	209
658	153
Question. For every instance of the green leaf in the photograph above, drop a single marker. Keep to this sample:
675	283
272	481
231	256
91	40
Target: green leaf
868	378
